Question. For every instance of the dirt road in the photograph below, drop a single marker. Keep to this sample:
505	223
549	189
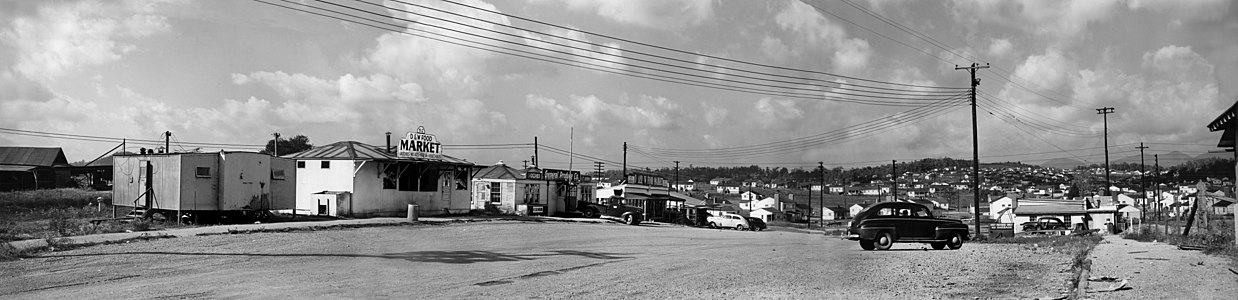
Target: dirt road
1159	271
533	260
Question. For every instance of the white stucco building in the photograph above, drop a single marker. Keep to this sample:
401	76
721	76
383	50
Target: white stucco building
380	183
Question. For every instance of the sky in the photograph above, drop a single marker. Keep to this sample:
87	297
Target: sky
226	74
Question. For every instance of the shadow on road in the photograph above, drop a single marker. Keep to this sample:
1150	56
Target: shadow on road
446	257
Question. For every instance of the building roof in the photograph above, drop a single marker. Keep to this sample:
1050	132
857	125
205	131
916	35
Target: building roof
1222	122
1050	209
33	156
353	150
499	171
769	210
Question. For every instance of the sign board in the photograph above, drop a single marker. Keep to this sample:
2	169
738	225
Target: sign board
553	174
420	145
1000	226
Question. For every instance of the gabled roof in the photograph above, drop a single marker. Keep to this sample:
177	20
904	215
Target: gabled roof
768	209
33	156
353	150
499	171
1223	122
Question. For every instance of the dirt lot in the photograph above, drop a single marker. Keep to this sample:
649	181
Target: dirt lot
533	260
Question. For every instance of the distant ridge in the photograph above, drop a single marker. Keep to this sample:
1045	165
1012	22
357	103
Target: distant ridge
1062	163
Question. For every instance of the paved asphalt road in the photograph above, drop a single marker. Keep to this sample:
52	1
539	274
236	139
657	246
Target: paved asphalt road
530	260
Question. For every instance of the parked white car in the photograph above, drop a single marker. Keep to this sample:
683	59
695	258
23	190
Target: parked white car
729	221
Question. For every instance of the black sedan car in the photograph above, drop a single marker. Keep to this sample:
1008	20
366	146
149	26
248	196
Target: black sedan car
756	223
881	225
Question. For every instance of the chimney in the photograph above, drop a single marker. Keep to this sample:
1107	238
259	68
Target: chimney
388	149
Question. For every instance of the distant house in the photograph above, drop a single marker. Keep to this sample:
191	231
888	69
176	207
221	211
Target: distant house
750	196
767	214
834	213
836	190
1002	209
855	209
719	181
727	189
1223	206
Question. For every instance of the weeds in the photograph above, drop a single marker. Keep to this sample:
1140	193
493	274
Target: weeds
1218	239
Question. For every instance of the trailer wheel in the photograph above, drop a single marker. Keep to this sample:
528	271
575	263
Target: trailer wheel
589	213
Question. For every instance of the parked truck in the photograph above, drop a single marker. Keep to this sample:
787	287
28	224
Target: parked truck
613	208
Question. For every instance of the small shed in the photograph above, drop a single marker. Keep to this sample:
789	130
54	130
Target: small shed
332	203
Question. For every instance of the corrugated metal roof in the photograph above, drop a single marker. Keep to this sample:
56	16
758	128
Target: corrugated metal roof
32	156
353	150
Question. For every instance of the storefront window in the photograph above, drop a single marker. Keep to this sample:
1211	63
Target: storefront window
532	193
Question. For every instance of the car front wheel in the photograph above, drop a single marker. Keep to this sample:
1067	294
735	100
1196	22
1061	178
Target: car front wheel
867	245
955	241
630	220
713	225
884	241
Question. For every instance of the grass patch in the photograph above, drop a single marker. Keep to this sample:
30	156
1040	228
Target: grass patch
1216	239
54	213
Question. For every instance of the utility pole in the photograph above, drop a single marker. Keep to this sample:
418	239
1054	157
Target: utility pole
535	162
625	162
167	146
1104	112
276	145
1156	181
894	178
597	169
676	174
1143	184
975	143
820	165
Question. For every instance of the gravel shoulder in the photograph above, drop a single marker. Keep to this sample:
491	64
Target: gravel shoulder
1160	271
511	259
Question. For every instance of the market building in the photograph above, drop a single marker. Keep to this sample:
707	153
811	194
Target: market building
355	179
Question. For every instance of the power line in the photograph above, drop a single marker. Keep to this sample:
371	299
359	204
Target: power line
691	53
569	62
919	91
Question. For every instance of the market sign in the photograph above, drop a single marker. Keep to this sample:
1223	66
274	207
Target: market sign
420	145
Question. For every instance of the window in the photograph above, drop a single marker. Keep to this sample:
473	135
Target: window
300	165
277	174
326	164
391	175
203	172
922	213
496	193
532	193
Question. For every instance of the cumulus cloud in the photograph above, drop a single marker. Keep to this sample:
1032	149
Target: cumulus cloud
852	56
1000	47
803	20
778	114
668	14
1062	21
1202	9
647	112
63	37
1051	71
